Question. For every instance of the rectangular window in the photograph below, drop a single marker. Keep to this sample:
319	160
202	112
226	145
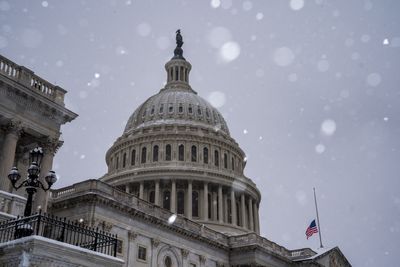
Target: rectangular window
142	253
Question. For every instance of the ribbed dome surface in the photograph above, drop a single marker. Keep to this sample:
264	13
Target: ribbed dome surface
177	106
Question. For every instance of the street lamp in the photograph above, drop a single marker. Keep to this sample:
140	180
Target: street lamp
31	183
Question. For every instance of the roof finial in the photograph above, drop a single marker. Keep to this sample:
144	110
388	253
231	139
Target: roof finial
178	52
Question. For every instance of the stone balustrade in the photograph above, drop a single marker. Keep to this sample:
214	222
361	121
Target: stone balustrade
11	205
186	225
28	79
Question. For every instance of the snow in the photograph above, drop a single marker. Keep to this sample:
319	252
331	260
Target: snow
323	65
218	36
320	148
283	56
296	4
217	99
230	51
143	29
374	79
215	3
328	127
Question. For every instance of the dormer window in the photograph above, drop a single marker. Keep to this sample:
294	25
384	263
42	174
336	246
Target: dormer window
161	108
152	111
207	113
198	110
180	109
170	108
190	109
144	113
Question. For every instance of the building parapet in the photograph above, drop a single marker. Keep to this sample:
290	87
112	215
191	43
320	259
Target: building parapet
30	80
11	205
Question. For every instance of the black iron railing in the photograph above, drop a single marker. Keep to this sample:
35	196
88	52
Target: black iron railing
59	229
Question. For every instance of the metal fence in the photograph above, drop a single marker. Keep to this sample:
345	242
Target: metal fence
59	229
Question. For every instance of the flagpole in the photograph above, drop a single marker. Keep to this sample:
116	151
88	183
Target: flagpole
319	228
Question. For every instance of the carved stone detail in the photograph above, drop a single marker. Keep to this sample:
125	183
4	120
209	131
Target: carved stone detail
155	242
202	259
132	235
185	253
14	127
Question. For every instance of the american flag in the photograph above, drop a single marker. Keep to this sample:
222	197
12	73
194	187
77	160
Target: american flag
312	229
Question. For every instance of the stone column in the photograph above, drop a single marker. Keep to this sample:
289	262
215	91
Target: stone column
189	201
157	194
243	210
173	196
214	206
225	208
127	189
233	207
256	218
50	148
251	219
141	189
220	210
12	133
205	202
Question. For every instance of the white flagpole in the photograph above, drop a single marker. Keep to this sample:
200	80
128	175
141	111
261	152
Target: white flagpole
319	228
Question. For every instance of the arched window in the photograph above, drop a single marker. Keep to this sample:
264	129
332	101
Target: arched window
168	152
166	200
168	262
181	151
216	158
181	202
133	157
144	154
225	161
152	196
155	153
233	163
124	160
195	204
205	155
194	154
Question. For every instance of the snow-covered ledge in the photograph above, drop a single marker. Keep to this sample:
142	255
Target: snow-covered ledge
41	251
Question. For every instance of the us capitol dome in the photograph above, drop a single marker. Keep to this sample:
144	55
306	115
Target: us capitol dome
177	152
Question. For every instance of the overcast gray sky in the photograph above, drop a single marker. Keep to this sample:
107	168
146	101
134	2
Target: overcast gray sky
310	91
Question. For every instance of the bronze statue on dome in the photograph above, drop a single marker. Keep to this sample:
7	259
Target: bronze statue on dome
178	52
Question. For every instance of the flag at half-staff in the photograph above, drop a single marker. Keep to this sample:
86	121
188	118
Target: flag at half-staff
312	229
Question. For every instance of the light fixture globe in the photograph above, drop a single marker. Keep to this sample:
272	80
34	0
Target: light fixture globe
34	169
51	178
14	175
36	155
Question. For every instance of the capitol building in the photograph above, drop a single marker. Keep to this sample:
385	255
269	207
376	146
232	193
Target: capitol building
175	193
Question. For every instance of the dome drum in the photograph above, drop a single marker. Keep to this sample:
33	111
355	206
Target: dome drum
176	152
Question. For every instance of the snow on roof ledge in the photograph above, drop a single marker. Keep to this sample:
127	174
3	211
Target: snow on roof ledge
55	243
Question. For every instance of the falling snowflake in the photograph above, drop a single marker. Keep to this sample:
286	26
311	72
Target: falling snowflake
217	99
283	56
328	127
296	4
230	51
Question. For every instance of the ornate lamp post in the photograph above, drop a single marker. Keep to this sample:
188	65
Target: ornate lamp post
31	183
